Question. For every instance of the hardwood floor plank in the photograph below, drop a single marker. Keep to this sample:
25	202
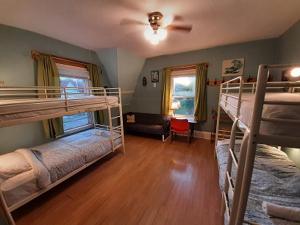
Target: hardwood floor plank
155	183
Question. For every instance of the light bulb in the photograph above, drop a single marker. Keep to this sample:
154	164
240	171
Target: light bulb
295	72
154	39
148	33
162	34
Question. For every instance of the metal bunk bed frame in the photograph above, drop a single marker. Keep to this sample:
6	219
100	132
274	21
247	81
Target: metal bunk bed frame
252	137
63	94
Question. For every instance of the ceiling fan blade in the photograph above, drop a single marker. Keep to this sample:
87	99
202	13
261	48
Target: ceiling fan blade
178	18
184	28
131	22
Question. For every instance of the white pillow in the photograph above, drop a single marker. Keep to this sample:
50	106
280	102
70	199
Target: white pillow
12	164
130	118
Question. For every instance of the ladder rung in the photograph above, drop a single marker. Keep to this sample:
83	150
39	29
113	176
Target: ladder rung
226	204
118	146
116	137
117	127
115	117
231	185
234	159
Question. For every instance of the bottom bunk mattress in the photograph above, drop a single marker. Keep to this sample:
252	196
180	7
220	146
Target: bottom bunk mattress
28	171
275	179
72	152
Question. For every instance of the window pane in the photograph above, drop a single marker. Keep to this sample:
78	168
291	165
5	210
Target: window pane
81	119
184	86
70	82
184	94
186	106
75	121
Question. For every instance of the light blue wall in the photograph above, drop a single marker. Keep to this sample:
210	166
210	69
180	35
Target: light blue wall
148	99
109	59
17	69
124	68
289	45
129	68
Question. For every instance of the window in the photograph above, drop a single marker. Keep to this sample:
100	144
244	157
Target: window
75	77
183	93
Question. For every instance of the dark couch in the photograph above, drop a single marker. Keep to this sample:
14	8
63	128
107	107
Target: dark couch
146	123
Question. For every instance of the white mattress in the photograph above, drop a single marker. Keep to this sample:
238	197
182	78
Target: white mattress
269	111
19	109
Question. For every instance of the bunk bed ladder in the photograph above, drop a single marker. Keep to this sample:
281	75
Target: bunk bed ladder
116	125
232	188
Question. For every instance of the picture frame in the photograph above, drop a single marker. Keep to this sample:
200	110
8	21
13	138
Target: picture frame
233	67
154	76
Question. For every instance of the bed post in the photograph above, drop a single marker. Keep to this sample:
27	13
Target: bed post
5	216
218	121
262	79
121	119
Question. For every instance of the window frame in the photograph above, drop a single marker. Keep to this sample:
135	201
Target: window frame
91	119
178	74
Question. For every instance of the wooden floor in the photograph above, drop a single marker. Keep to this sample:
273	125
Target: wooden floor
155	183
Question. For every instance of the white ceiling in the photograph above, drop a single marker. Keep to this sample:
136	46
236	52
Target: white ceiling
95	24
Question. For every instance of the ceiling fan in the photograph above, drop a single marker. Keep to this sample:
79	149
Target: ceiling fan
156	29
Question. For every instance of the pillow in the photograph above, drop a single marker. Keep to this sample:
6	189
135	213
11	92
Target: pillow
284	212
130	118
12	164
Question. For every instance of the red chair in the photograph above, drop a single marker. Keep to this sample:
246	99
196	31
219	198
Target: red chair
180	126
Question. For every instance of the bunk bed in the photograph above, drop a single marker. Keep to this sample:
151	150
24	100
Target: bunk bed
29	172
268	114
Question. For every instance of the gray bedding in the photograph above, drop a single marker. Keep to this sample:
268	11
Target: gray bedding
275	179
67	154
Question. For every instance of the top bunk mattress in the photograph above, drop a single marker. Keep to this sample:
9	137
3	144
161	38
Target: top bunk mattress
230	102
18	110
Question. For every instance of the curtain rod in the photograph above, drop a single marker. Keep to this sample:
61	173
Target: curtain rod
185	67
62	60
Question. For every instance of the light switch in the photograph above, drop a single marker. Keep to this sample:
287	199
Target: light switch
154	85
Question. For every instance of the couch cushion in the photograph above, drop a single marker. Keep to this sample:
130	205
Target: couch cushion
145	128
148	118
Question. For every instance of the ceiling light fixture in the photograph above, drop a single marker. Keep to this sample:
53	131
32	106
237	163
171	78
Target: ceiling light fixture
295	72
155	36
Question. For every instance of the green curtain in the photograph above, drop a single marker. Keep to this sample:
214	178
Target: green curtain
47	75
166	95
95	77
201	93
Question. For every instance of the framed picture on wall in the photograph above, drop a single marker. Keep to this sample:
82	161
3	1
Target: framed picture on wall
233	67
155	76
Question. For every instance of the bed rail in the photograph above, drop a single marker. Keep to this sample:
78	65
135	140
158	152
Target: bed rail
70	101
